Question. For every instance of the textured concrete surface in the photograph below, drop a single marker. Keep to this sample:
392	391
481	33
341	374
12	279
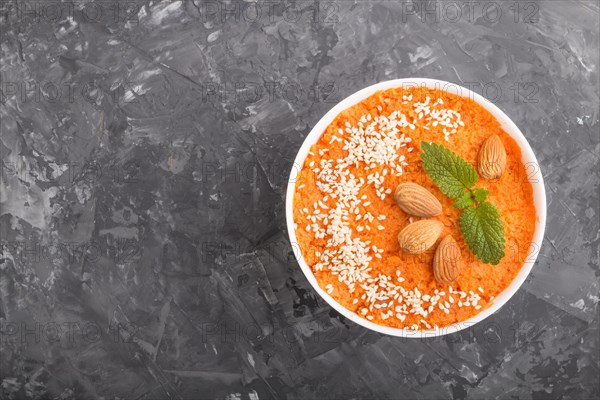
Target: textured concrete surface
145	150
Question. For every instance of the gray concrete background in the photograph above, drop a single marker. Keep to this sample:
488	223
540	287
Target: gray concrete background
145	150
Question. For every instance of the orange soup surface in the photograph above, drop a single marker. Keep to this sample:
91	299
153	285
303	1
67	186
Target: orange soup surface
347	221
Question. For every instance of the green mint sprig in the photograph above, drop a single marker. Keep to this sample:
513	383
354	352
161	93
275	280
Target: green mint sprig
479	221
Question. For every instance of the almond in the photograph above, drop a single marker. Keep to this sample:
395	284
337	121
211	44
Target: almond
492	158
447	260
420	236
415	200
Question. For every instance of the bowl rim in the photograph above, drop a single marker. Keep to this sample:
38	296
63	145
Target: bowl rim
528	158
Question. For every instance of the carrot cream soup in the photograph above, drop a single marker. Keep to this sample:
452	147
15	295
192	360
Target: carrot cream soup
348	221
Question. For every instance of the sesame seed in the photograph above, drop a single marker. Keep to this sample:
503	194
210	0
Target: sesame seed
375	144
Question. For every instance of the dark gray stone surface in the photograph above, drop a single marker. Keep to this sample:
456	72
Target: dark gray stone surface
145	151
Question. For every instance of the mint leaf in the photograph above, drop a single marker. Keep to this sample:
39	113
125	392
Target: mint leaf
480	194
481	226
466	200
483	231
447	170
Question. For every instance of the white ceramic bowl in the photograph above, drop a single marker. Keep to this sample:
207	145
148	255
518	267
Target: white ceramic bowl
534	175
